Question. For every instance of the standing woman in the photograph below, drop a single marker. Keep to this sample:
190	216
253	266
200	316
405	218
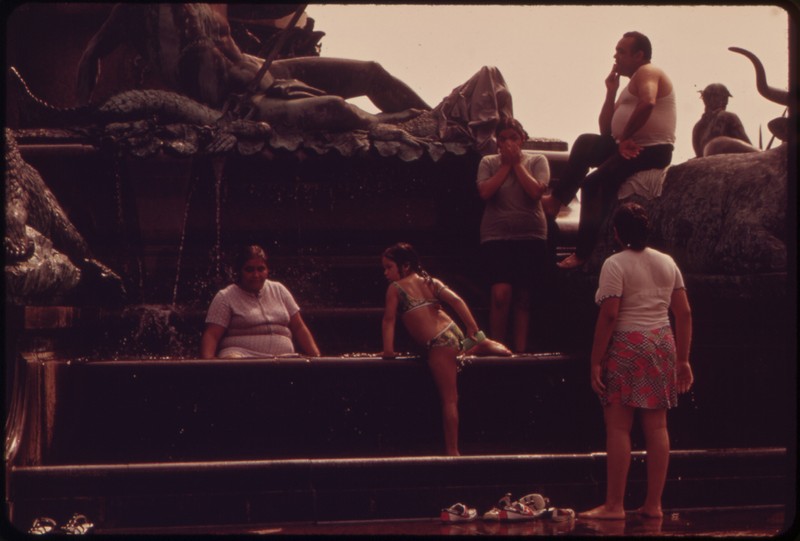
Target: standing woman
637	363
255	317
513	230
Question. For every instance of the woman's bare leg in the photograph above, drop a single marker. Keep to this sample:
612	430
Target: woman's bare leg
619	420
654	426
499	310
444	368
522	317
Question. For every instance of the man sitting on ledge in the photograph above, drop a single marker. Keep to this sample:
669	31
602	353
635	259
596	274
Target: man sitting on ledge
637	132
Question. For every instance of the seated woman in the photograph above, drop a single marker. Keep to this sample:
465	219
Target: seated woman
254	317
418	298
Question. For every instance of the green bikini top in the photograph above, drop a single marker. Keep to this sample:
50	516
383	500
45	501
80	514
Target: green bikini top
408	303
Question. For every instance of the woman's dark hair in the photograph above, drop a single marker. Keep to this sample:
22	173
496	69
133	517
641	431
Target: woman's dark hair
640	43
402	254
632	225
509	123
245	254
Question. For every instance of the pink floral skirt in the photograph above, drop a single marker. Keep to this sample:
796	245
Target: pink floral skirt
639	369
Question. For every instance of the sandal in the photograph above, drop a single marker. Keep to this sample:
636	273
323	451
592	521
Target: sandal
493	514
458	512
42	525
517	511
535	501
77	525
559	514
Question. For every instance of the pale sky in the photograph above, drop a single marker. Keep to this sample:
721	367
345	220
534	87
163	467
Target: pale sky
555	58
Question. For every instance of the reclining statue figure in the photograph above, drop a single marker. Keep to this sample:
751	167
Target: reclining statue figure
191	49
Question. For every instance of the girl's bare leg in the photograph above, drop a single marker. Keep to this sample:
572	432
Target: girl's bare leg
499	310
443	366
654	426
619	420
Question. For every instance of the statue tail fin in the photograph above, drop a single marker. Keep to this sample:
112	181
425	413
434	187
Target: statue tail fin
35	112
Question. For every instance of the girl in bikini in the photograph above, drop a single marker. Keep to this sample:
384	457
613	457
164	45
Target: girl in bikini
418	298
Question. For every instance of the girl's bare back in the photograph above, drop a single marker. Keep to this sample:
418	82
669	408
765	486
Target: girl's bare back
427	320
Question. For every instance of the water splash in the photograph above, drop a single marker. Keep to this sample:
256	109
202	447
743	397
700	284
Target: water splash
118	197
182	242
218	164
121	224
148	331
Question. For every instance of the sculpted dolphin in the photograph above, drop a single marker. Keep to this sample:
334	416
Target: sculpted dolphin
45	253
30	202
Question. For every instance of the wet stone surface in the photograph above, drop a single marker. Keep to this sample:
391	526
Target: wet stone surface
766	521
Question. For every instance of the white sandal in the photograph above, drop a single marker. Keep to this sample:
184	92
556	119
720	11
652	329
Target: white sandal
458	512
42	525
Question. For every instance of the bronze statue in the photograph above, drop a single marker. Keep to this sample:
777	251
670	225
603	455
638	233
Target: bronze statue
191	49
45	254
717	122
204	79
709	137
779	127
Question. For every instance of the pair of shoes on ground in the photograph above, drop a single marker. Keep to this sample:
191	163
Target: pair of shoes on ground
528	507
77	525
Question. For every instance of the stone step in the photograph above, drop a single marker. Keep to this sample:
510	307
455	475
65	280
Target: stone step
225	493
161	410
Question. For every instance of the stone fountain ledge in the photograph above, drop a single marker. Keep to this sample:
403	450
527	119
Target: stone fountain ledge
61	136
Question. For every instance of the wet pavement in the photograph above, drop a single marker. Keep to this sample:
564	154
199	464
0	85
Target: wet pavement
763	521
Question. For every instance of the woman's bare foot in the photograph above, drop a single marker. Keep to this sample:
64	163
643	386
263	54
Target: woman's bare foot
572	261
650	512
603	513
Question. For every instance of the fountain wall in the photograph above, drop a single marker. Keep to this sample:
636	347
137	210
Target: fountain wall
97	385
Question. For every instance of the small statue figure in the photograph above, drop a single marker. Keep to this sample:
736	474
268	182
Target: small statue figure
717	122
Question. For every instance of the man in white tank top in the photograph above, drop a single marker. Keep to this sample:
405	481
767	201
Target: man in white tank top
637	132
